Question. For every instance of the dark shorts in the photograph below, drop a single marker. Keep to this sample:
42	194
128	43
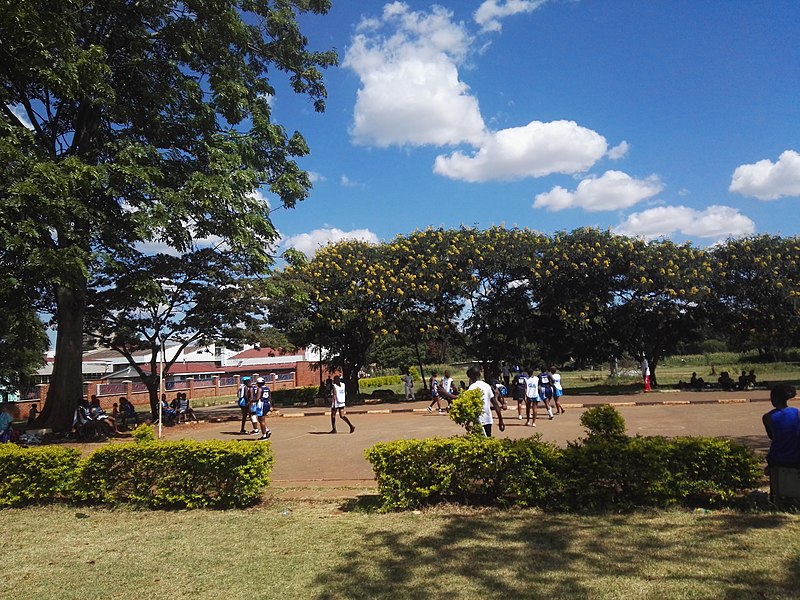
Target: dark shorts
487	429
547	391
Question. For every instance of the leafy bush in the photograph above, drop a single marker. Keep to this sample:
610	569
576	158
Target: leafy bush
177	474
603	421
373	382
466	409
711	470
289	397
144	434
607	470
471	470
36	475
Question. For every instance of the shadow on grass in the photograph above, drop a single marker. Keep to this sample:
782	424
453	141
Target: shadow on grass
528	554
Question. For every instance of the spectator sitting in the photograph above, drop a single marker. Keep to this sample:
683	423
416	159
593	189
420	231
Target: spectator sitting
782	424
725	381
184	409
33	413
167	412
127	412
751	378
744	381
5	424
696	382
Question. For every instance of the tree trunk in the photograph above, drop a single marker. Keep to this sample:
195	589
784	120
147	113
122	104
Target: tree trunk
66	382
653	380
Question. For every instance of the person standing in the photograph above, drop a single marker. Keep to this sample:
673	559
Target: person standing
646	373
434	387
490	401
253	397
447	390
262	408
338	404
782	424
241	400
546	391
408	384
531	399
558	389
506	372
520	387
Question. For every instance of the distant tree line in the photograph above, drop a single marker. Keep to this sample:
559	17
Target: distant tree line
586	296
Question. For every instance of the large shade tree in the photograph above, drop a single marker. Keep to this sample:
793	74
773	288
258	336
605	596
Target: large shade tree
124	122
141	302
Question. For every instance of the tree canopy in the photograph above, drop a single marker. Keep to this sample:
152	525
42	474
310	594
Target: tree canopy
126	123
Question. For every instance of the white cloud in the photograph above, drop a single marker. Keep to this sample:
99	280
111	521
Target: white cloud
316	177
345	181
611	191
713	222
490	12
766	180
535	150
618	151
410	89
259	196
19	112
309	243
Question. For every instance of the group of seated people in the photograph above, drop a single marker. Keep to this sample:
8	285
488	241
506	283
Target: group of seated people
177	411
91	420
747	381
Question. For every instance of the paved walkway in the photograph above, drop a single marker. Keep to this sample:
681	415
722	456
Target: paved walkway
307	456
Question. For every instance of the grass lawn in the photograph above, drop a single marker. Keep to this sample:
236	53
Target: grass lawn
328	550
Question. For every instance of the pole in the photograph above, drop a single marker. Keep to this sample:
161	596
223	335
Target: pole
161	389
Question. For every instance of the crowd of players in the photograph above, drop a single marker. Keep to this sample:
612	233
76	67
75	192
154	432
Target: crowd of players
542	390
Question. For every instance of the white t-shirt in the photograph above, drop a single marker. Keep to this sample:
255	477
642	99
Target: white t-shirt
339	395
488	394
557	381
447	385
532	387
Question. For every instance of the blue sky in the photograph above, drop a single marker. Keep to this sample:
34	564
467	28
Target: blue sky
676	119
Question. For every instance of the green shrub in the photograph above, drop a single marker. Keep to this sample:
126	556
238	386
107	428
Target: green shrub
36	475
178	474
466	408
144	434
710	470
603	421
470	470
374	382
289	397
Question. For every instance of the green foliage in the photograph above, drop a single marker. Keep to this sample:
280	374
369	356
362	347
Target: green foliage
469	470
466	408
385	380
607	471
711	470
144	434
289	397
36	475
603	421
182	474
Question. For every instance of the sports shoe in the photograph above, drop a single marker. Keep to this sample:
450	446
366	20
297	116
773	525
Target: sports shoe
519	417
430	409
266	436
352	429
255	432
551	417
441	411
332	431
242	432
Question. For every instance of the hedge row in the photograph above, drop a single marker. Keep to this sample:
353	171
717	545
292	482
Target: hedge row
183	474
607	470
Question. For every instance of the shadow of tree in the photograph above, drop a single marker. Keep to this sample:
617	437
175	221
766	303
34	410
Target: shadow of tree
528	554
